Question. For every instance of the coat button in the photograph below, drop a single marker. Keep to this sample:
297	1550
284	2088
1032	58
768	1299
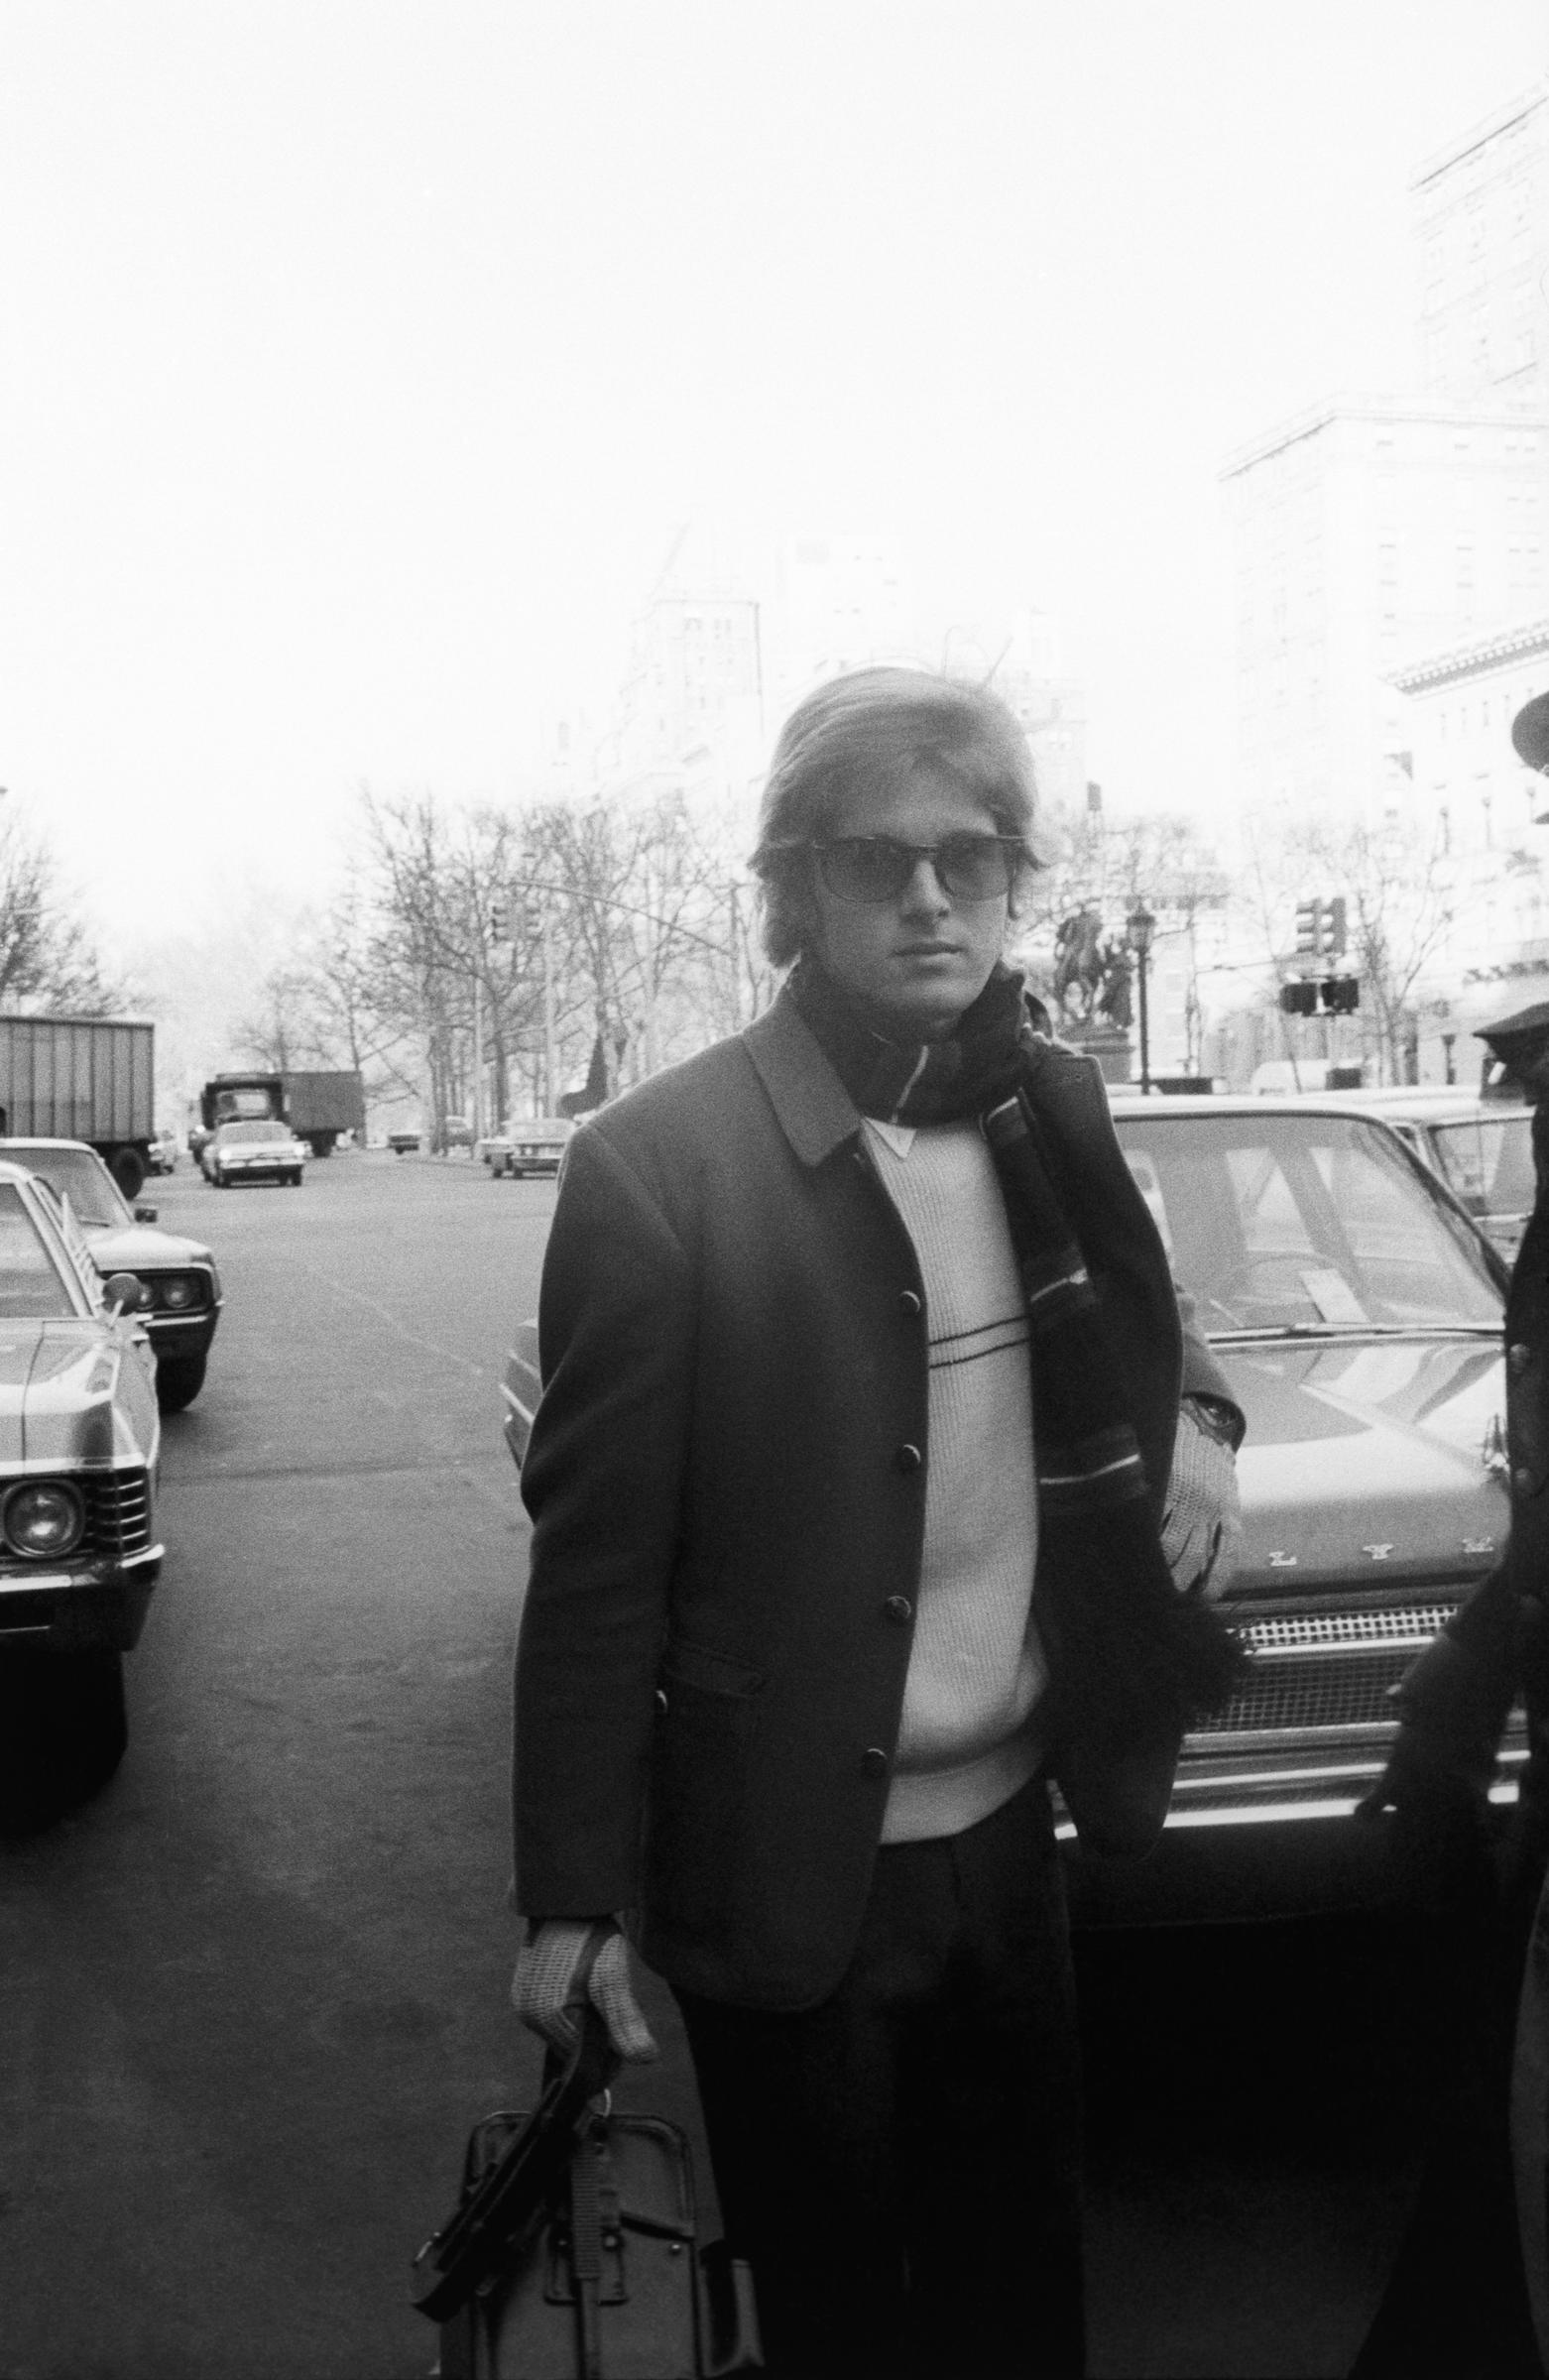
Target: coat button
899	1608
1522	1480
907	1458
911	1301
874	1761
1519	1355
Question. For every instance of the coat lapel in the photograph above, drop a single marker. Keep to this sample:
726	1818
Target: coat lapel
815	1112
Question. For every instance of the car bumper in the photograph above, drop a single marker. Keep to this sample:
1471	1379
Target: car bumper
273	1169
78	1607
177	1337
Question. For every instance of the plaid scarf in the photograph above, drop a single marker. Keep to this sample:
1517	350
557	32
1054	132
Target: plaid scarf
1131	1663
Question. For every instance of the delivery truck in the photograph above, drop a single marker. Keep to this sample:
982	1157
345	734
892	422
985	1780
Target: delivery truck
316	1107
82	1078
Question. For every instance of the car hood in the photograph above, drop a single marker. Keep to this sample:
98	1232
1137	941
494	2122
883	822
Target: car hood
137	1247
1369	1461
59	1394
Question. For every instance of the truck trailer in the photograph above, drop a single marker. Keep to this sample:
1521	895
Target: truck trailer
316	1107
82	1078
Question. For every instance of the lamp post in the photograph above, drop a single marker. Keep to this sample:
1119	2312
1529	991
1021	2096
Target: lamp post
1139	927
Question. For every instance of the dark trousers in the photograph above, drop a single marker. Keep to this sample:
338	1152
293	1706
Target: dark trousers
901	2165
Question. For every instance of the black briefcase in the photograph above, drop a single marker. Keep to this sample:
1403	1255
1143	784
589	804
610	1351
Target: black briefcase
575	2252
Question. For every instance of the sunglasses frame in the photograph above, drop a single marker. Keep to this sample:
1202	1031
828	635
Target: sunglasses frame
1010	847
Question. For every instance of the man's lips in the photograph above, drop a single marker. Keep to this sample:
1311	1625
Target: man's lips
929	950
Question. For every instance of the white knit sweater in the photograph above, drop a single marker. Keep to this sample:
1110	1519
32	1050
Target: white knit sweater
969	1738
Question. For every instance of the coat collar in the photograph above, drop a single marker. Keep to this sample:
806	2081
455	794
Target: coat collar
817	1113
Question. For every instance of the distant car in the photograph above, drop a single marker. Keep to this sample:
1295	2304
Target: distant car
164	1151
253	1149
1357	1311
403	1144
457	1131
178	1276
531	1144
79	1440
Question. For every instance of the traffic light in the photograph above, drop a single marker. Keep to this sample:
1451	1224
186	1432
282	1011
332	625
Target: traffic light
497	921
1309	929
1299	1000
1341	995
1335	937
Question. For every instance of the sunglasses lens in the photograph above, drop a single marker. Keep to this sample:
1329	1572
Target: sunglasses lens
974	866
866	867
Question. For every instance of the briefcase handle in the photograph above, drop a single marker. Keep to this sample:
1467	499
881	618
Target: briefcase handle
493	2216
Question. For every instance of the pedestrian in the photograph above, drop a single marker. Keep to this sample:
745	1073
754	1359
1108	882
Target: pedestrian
861	1497
1470	2290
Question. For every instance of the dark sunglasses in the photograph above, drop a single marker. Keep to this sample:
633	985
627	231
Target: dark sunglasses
868	868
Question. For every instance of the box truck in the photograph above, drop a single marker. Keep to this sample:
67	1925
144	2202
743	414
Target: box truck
316	1107
82	1078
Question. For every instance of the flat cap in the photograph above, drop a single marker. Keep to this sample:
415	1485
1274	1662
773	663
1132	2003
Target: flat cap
1522	1026
1530	732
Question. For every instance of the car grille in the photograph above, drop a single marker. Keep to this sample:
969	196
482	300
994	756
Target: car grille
1326	1669
118	1511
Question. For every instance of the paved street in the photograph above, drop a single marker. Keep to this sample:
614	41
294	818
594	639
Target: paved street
252	1997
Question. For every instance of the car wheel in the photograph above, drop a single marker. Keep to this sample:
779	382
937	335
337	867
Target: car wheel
62	1731
296	1179
179	1383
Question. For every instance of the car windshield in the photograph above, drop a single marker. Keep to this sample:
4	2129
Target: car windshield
270	1130
31	1282
80	1175
1489	1161
1305	1224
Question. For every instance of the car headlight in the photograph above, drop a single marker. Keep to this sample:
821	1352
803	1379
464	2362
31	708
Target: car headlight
176	1292
43	1518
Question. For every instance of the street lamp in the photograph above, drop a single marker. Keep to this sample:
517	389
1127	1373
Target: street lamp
1139	927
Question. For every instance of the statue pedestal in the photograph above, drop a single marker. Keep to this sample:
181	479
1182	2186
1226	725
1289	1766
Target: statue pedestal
1111	1049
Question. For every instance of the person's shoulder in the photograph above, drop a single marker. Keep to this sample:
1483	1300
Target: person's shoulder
689	1097
1046	1047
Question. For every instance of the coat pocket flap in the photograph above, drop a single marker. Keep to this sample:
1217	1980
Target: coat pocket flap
686	1664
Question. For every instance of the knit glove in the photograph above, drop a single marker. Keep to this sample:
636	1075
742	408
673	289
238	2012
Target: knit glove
550	1981
1202	1525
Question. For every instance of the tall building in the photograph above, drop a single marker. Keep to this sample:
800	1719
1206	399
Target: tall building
1482	222
1479	808
1365	534
1374	531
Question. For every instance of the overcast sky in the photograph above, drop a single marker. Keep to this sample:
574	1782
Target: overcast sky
359	360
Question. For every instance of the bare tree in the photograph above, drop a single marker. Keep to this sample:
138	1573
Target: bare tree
1393	879
47	959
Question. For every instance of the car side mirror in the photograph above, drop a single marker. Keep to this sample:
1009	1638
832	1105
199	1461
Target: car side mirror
126	1292
145	1213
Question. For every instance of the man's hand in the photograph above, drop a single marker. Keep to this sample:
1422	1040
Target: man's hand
552	1981
1441	1835
1202	1525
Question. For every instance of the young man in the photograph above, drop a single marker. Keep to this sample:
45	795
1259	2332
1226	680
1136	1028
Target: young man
827	1389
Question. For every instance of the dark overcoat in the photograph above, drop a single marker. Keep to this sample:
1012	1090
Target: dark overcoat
727	1482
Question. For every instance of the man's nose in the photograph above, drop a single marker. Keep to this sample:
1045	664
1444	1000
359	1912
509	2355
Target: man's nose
924	893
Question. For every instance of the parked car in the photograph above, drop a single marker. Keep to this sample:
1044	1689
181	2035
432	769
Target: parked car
178	1276
1483	1148
403	1144
1357	1310
164	1151
457	1131
79	1439
254	1149
531	1144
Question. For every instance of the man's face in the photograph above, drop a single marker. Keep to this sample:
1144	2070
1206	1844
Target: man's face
914	963
1530	1065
